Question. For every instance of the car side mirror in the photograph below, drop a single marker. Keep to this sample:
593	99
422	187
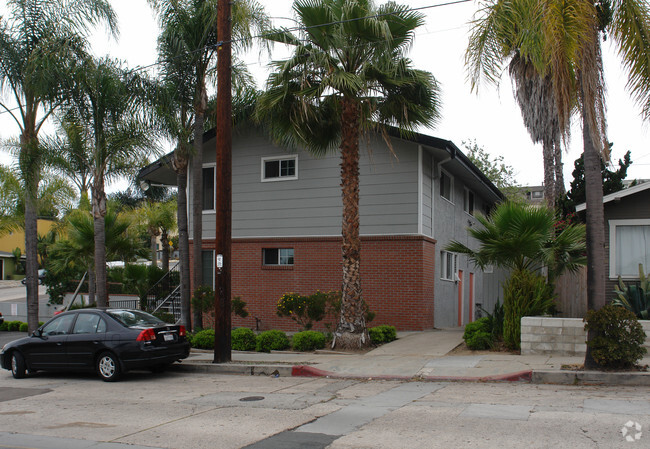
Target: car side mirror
37	333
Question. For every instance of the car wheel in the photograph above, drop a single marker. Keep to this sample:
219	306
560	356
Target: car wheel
108	367
17	365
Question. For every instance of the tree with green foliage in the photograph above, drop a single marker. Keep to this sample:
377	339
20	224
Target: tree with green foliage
501	174
348	75
612	182
109	100
40	42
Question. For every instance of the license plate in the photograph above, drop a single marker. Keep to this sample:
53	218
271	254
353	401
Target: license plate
169	337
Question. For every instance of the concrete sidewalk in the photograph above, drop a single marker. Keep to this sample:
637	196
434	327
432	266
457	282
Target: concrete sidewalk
416	355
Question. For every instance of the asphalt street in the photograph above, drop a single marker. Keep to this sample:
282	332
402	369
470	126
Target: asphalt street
192	410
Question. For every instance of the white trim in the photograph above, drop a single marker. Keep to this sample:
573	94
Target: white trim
279	158
420	191
443	266
466	192
618	195
612	243
433	196
451	186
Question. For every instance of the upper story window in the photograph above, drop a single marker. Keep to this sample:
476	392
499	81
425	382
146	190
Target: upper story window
279	168
629	246
468	203
449	265
277	256
208	188
446	186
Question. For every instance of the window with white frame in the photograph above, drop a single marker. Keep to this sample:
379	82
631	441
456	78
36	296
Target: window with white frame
488	269
629	246
446	186
277	256
279	168
209	188
448	265
468	203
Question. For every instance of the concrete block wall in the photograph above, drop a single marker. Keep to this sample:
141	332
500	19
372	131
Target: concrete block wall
559	336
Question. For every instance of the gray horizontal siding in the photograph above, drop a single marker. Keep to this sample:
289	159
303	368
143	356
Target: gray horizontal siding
311	205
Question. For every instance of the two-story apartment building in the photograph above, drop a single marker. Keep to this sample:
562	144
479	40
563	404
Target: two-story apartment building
286	224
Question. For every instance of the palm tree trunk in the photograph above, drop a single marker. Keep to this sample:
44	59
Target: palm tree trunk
560	189
595	232
99	212
183	243
351	332
92	299
153	249
29	167
549	173
197	201
164	243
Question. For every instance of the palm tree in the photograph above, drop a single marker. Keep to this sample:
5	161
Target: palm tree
510	33
189	45
570	44
39	42
107	100
348	75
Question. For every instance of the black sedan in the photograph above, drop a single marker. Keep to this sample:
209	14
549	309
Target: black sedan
108	341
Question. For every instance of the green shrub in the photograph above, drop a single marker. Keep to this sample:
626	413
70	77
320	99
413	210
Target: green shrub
238	307
14	326
304	310
619	337
243	339
272	340
23	327
478	335
308	341
4	326
524	294
382	334
203	339
634	298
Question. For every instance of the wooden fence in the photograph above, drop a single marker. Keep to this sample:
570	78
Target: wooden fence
571	290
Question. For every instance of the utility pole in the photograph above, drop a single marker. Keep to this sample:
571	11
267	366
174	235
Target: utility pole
224	187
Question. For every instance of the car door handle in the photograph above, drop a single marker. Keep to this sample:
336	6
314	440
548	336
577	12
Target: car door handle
59	343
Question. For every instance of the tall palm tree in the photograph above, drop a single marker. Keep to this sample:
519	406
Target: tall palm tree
348	75
39	42
189	39
108	100
570	39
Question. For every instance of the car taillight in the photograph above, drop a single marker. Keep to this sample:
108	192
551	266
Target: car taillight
146	335
181	331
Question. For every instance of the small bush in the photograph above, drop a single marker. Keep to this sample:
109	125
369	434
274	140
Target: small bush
272	340
619	338
382	334
243	339
308	341
14	326
203	339
4	326
23	327
478	335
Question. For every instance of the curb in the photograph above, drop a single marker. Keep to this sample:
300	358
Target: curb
591	378
233	368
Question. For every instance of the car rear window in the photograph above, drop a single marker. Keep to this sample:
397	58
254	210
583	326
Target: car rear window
135	318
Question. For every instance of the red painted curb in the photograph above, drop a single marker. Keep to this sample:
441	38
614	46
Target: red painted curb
310	371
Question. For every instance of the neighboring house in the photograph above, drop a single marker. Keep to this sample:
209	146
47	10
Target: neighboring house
286	224
627	234
16	239
532	194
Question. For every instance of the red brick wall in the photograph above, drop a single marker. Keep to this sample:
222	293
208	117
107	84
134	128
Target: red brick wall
397	278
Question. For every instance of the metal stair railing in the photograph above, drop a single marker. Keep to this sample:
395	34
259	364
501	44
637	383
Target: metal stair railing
165	291
171	304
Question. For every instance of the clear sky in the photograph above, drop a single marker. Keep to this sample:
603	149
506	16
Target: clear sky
491	117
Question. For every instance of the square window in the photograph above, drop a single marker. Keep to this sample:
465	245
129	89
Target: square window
448	265
277	256
280	168
629	242
446	186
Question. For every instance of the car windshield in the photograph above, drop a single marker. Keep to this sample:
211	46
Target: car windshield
133	318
